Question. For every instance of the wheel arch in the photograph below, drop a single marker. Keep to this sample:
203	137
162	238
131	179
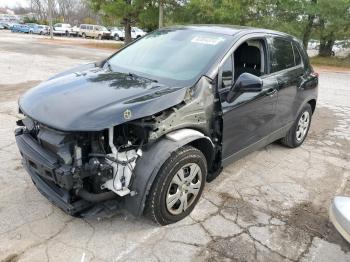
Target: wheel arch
207	148
153	158
312	103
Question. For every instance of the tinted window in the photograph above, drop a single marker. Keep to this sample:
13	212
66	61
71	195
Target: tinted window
227	73
83	27
296	55
282	56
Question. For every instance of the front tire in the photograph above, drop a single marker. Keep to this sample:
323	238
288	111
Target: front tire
298	132
177	186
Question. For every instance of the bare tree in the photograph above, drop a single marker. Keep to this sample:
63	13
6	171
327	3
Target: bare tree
71	11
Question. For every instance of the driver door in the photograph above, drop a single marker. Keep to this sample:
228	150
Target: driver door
248	119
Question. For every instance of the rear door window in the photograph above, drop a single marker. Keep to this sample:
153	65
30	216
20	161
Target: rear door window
282	56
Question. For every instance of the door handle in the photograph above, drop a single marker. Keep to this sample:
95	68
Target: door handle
271	92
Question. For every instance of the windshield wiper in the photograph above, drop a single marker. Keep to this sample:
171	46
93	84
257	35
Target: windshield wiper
135	75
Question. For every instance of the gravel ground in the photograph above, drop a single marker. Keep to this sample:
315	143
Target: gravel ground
269	206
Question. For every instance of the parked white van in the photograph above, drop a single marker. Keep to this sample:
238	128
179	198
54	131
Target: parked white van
94	31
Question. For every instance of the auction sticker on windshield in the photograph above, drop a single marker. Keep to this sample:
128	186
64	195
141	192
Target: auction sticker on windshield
207	40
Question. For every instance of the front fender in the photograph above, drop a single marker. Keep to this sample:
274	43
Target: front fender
153	158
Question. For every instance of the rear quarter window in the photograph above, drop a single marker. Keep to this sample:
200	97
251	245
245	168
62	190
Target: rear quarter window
282	55
297	55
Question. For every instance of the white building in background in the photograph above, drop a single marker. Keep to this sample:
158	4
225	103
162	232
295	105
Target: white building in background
10	18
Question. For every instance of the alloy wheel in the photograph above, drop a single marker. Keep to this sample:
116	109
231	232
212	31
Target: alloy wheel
303	126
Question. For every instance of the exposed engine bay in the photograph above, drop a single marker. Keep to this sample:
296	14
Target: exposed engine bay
91	161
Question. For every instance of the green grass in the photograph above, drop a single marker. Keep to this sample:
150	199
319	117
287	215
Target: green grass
114	46
331	61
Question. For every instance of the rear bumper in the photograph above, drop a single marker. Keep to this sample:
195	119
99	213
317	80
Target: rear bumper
43	167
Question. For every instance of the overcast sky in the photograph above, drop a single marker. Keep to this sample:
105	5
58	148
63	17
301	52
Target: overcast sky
13	3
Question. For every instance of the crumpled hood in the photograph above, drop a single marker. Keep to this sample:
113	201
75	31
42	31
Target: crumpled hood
95	99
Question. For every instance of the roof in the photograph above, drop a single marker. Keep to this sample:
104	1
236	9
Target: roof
229	29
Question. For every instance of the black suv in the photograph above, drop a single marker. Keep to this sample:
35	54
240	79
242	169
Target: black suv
145	129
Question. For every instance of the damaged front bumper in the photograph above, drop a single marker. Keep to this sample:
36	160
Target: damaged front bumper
46	173
43	168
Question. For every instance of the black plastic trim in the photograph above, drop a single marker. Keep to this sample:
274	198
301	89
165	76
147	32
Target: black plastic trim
57	195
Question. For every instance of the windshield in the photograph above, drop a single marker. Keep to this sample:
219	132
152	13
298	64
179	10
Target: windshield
178	55
102	28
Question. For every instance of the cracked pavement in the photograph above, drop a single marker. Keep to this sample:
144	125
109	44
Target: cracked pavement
272	205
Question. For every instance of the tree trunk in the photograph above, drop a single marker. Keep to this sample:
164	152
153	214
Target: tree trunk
127	30
326	48
161	13
50	18
326	45
307	30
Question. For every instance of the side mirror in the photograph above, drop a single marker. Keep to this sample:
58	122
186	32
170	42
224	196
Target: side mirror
245	83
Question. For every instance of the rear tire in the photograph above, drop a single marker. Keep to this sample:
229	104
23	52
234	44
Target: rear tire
298	132
177	186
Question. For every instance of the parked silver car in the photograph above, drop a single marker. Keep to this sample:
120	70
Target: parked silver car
41	30
339	214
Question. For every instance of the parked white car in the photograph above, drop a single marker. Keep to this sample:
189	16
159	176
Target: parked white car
137	32
75	31
313	44
62	29
117	33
